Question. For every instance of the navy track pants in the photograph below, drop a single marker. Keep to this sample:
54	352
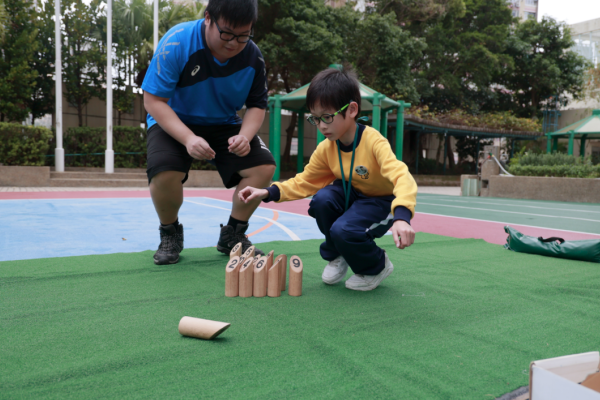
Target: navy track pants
351	234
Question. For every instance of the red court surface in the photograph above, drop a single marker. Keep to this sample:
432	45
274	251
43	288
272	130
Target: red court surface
458	227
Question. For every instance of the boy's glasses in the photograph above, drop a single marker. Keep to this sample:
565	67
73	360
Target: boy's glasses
326	118
228	36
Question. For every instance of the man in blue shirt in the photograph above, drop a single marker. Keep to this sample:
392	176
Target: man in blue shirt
201	74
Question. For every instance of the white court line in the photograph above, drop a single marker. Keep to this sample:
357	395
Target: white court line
516	205
286	212
284	228
511	212
511	224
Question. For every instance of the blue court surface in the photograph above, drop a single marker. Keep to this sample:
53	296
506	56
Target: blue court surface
73	227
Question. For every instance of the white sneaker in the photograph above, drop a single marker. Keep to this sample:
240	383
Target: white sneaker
335	271
370	282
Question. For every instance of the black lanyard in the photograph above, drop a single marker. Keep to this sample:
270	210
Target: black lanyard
348	190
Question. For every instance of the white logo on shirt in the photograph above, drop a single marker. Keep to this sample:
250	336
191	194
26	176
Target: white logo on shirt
195	71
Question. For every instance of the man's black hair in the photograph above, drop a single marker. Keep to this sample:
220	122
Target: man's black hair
334	88
235	12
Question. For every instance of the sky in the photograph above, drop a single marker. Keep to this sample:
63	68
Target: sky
571	11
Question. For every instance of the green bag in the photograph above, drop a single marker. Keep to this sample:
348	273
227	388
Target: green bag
582	250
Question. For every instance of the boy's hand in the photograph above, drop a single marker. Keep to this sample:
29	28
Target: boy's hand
239	145
249	193
403	234
199	148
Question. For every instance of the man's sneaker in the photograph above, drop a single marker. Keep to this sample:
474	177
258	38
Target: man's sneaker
171	244
335	271
230	237
370	282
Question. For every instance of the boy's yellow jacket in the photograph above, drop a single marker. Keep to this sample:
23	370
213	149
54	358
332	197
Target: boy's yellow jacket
377	172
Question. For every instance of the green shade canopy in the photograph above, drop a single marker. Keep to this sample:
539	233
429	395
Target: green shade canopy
296	100
587	128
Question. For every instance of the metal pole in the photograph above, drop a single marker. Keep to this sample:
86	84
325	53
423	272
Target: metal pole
582	145
384	124
477	160
155	25
277	137
571	142
376	111
59	152
271	122
445	151
548	144
400	130
300	162
109	157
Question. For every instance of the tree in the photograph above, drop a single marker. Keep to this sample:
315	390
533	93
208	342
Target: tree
83	61
42	99
465	54
382	53
3	20
410	12
17	52
544	65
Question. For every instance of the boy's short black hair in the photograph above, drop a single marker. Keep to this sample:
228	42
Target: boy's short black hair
334	88
235	12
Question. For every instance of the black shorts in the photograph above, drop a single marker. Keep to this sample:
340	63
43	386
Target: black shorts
167	154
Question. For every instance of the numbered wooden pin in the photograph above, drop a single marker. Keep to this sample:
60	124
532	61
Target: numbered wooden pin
236	251
249	253
269	265
274	284
232	277
260	272
246	278
282	270
295	276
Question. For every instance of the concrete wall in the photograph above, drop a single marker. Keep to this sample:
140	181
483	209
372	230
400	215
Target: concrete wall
24	176
541	188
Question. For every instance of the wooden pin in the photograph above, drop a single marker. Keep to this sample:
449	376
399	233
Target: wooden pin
232	277
269	265
201	328
295	276
236	251
249	253
274	288
282	271
260	271
246	278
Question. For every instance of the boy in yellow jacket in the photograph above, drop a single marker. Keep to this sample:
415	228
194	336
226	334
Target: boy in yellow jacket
360	189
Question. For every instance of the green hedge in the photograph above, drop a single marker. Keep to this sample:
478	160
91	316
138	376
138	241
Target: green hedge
549	159
566	171
23	145
89	145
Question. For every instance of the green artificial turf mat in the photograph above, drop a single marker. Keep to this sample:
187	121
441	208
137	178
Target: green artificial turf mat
458	319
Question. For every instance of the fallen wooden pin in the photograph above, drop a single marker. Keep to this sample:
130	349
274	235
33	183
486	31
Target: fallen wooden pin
201	328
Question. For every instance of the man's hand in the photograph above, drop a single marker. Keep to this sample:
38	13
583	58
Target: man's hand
239	145
249	193
403	234
199	149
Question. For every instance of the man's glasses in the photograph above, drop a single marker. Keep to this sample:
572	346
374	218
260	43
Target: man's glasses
228	36
326	118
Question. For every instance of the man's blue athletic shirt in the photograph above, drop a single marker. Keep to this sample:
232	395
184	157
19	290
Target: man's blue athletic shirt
200	89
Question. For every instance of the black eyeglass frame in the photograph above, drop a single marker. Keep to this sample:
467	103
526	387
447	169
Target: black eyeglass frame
250	36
